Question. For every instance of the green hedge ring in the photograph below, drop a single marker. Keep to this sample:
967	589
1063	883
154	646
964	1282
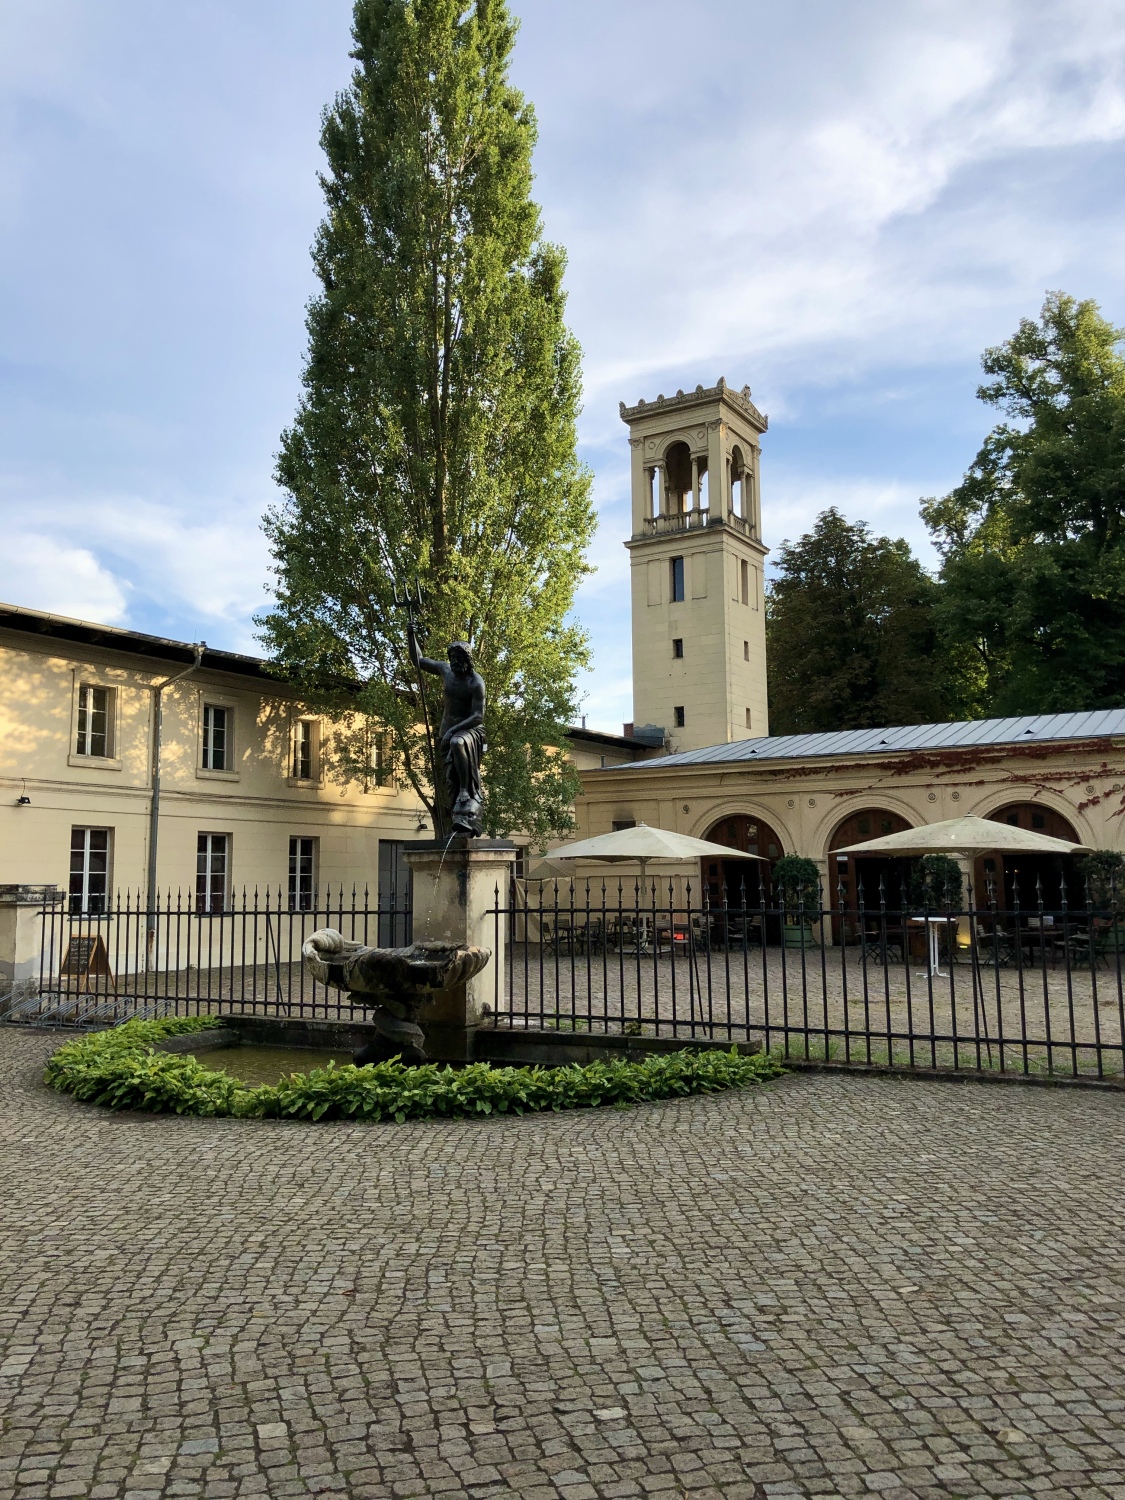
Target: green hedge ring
120	1069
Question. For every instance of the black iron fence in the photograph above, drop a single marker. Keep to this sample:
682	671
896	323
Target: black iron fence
1011	990
1015	990
100	967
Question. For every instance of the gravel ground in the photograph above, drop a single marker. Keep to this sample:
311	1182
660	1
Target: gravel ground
822	1286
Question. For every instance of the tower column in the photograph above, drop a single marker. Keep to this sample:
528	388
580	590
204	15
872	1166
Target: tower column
695	482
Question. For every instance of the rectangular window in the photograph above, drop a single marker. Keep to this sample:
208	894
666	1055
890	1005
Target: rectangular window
677	647
749	725
744	573
678	717
624	823
214	737
303	750
89	869
396	896
676	567
95	721
302	873
746	651
212	867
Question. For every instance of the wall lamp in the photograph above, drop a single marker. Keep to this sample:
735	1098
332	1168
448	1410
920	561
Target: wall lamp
24	801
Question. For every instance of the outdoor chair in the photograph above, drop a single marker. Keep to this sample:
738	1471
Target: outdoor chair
879	945
1096	945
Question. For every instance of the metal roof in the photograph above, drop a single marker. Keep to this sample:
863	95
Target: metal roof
1031	729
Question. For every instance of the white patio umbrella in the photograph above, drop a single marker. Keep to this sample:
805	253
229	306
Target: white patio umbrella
968	836
644	846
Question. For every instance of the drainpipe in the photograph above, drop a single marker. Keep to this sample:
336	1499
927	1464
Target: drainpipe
154	810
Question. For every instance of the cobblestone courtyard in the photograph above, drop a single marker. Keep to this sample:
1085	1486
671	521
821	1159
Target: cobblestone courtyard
827	1285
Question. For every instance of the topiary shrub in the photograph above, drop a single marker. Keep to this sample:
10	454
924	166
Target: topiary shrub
796	883
1103	874
936	883
120	1069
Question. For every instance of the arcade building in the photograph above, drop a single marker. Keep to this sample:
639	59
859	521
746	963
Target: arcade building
699	688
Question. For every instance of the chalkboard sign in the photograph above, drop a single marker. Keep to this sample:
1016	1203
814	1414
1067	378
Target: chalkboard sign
86	959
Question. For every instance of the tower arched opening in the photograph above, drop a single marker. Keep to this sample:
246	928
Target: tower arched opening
677	478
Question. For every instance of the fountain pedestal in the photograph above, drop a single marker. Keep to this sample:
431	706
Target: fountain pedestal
455	900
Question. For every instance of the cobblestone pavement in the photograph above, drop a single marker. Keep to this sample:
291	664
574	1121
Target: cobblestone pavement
827	1285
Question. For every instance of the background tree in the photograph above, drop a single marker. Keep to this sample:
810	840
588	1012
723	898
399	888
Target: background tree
849	633
1032	606
435	440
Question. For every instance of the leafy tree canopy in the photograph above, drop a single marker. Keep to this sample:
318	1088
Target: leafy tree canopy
435	439
1032	603
850	637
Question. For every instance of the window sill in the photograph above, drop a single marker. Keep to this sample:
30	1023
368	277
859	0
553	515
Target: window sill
310	783
205	775
94	762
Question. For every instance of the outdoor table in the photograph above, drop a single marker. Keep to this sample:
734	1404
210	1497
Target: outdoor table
933	925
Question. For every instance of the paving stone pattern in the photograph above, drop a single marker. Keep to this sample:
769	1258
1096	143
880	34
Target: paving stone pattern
825	1286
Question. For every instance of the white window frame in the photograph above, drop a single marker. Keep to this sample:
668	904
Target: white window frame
84	908
208	871
209	700
296	876
313	778
86	681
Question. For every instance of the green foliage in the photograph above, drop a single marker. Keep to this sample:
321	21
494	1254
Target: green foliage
119	1069
1032	601
850	634
936	883
435	441
1103	873
796	880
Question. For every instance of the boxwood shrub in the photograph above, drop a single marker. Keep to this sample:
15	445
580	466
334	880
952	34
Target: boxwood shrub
120	1069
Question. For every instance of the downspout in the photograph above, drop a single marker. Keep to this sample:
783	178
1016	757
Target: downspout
154	809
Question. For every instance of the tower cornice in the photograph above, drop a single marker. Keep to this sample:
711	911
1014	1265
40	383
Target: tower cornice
701	396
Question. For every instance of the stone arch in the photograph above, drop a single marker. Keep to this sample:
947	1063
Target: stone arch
852	876
725	880
1024	879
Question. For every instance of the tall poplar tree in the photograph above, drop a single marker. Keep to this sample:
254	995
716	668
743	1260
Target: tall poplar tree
435	440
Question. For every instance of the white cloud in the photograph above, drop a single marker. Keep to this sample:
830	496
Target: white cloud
217	569
63	580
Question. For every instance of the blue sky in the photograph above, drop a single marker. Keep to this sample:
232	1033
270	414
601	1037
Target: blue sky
838	205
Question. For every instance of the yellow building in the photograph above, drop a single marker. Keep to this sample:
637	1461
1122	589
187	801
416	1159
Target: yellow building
811	794
244	801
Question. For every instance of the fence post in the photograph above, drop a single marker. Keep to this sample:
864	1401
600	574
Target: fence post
21	939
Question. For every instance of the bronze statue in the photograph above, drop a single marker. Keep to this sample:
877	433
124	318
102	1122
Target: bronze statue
461	740
392	984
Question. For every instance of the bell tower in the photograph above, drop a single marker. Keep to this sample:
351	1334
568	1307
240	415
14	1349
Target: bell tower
697	559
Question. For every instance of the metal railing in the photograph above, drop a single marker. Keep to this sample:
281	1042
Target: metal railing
130	960
1027	990
1011	990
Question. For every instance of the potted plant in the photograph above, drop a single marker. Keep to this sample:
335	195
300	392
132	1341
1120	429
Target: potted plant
796	882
